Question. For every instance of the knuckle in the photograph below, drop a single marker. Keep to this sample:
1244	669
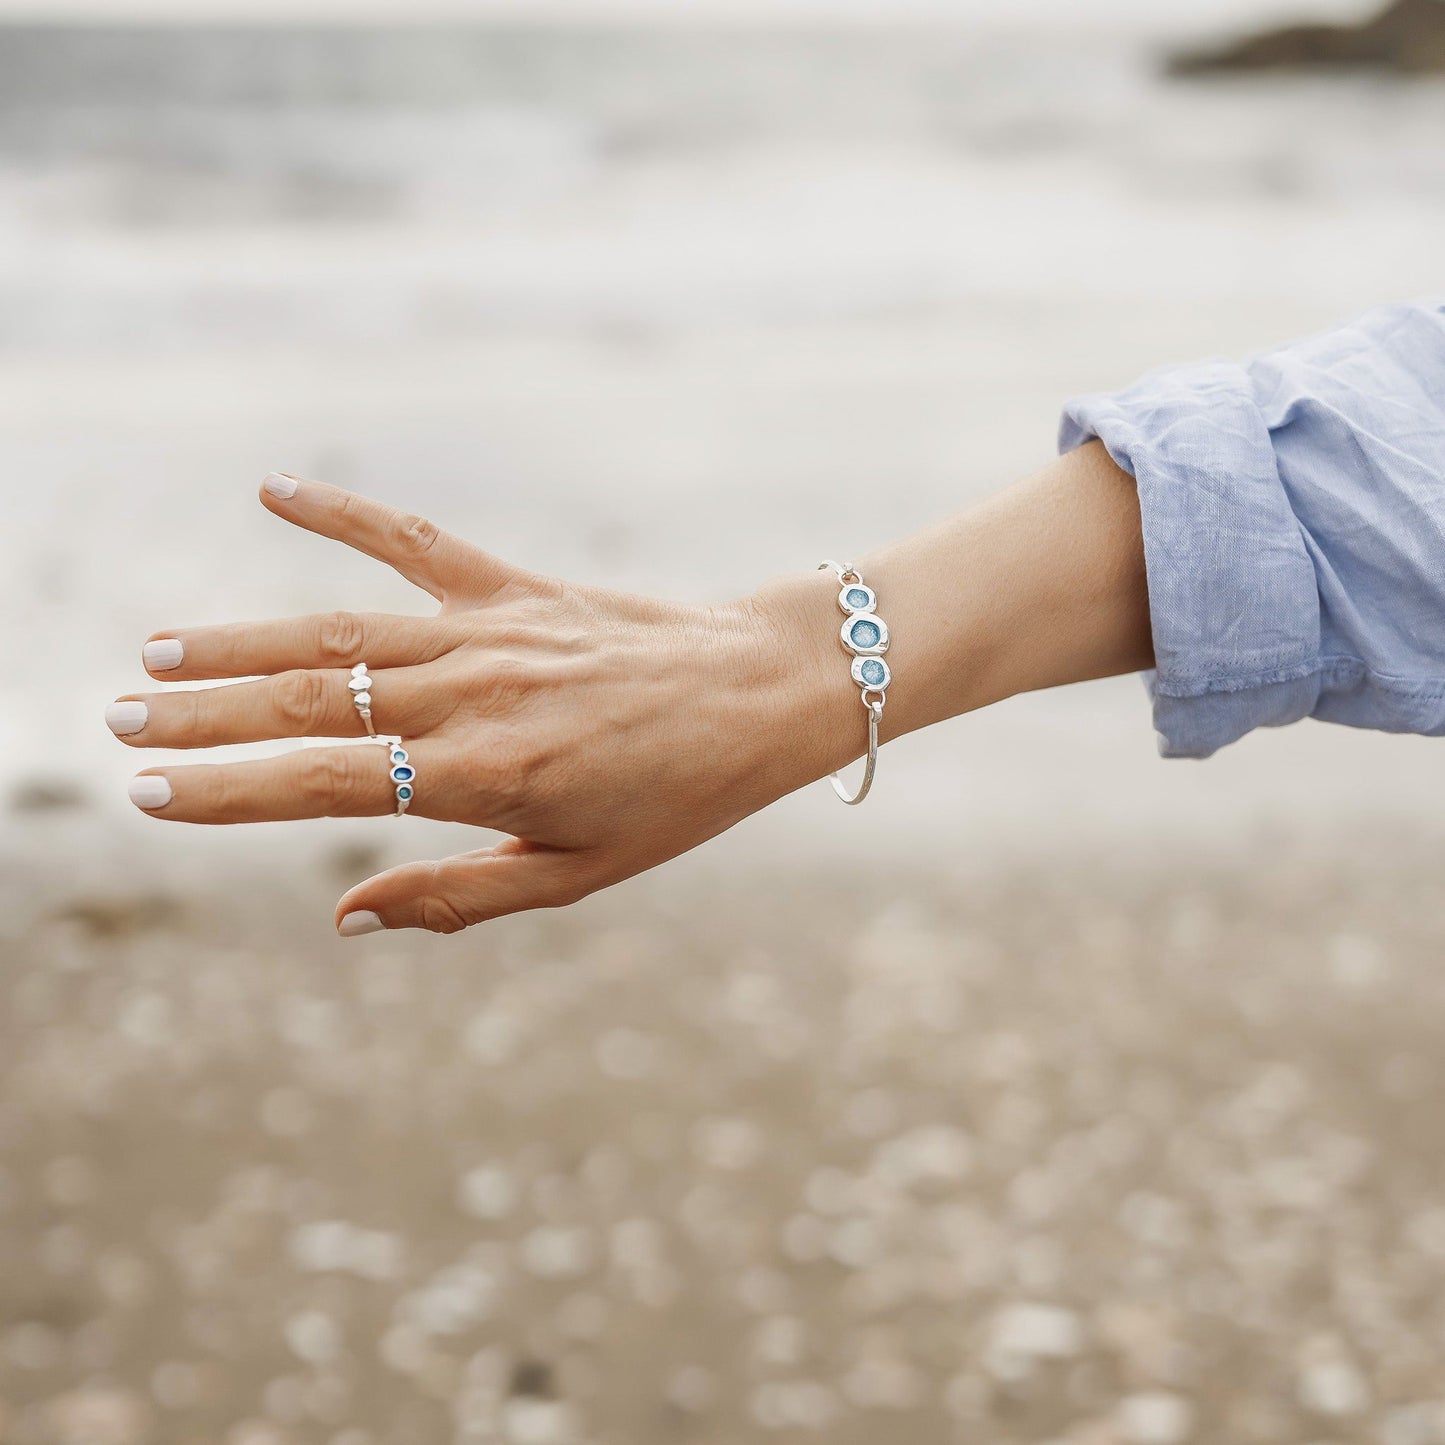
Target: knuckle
508	771
350	508
441	915
340	637
329	779
503	683
415	536
300	699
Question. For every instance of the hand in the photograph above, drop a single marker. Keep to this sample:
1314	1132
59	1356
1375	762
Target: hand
604	732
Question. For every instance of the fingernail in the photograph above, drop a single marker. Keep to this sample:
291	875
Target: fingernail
162	655
125	718
149	791
280	486
353	925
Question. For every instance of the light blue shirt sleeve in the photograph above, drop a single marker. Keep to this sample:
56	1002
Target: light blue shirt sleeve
1294	530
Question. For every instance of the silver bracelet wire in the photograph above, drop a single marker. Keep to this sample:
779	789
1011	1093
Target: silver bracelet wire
865	636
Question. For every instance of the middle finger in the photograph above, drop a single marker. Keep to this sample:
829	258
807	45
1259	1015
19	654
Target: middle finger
300	704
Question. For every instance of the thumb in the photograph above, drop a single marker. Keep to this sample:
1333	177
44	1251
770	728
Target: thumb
454	893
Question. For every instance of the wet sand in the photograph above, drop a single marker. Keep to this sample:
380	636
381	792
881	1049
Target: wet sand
1087	1154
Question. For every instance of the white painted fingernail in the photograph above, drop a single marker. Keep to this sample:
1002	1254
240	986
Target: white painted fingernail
353	925
125	718
149	791
162	655
280	486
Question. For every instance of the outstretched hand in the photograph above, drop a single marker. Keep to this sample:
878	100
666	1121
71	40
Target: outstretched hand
603	732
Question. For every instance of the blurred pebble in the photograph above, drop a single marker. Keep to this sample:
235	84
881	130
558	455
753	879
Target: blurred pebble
727	1143
146	1020
493	1037
934	1153
557	1252
99	1415
488	1192
1332	1387
454	1299
794	1404
531	1421
1357	962
255	1432
313	1336
1155	1418
338	1245
1037	1331
779	1341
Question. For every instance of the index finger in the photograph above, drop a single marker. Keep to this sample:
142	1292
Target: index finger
432	559
285	644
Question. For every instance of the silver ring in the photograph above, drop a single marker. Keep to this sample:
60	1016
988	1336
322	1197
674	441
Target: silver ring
403	774
360	686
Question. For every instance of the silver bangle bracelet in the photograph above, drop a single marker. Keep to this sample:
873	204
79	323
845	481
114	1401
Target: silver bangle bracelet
865	636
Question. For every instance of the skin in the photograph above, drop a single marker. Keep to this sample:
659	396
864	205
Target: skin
605	733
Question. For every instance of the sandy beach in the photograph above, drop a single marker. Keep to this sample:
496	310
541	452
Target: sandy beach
977	1154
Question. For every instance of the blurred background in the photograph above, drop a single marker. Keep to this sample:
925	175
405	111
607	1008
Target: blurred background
1061	1095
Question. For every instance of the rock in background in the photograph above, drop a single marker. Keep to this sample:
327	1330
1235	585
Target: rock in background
1408	36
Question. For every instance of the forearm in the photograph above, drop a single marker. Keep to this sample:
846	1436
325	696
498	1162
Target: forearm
1040	585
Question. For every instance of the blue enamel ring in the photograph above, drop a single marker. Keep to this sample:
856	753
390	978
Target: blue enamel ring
403	776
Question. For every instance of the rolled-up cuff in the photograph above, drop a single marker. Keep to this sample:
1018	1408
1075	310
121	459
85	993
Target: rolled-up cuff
1233	596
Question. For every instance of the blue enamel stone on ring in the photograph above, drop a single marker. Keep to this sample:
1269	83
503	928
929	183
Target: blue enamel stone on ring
402	774
404	792
858	599
398	755
873	672
864	633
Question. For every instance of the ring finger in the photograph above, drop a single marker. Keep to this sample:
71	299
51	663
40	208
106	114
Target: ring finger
300	704
342	782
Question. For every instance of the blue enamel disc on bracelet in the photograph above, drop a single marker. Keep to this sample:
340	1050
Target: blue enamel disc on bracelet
865	632
872	673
